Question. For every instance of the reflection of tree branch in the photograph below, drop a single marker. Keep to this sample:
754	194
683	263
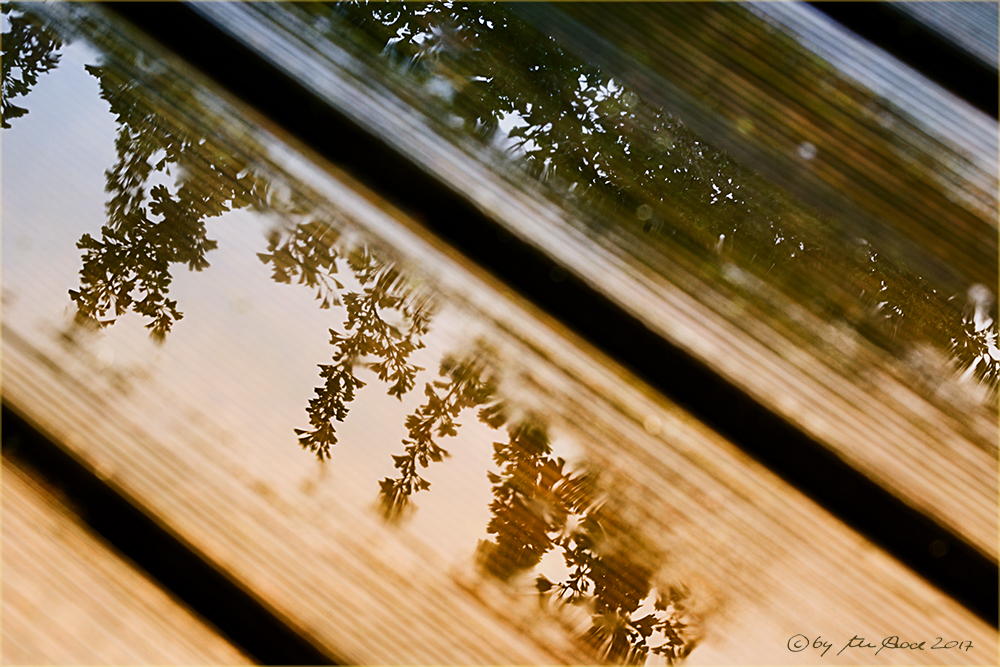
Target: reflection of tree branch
308	254
129	267
467	387
532	500
32	49
538	506
610	571
152	226
383	289
591	139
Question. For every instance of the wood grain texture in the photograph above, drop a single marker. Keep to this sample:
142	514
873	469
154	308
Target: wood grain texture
198	432
764	562
68	599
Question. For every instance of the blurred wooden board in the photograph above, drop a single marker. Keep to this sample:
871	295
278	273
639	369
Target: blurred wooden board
68	599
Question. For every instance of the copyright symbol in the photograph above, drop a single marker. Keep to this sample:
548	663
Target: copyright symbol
798	643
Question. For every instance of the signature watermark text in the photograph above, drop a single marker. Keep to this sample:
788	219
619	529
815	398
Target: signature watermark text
799	643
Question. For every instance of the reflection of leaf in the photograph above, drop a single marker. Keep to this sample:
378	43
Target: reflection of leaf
31	49
470	384
313	257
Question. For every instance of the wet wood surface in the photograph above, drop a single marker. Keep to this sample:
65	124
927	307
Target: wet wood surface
904	156
767	564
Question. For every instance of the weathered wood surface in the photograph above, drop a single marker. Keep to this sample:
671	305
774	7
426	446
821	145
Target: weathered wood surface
69	600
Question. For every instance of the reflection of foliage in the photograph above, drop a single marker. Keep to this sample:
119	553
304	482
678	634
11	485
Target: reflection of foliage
29	49
538	506
129	267
308	254
533	498
153	224
572	126
466	387
976	352
975	344
481	69
367	332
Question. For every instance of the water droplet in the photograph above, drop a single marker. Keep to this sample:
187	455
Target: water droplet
807	150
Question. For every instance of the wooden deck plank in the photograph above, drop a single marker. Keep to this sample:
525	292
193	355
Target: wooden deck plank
68	599
762	559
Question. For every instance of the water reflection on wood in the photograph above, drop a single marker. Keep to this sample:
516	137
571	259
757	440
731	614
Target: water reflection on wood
154	224
28	47
840	332
603	521
641	169
137	252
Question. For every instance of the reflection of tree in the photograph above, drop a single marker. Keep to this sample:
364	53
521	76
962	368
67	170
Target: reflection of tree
152	225
170	179
591	140
468	386
570	125
539	507
533	499
307	254
384	294
29	49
